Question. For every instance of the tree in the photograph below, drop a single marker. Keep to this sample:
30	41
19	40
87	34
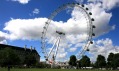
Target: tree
85	61
30	60
101	62
115	62
110	60
8	57
72	60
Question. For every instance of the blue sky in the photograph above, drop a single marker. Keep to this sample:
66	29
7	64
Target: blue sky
21	23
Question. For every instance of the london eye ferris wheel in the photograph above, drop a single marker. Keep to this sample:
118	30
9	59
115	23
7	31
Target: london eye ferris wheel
50	50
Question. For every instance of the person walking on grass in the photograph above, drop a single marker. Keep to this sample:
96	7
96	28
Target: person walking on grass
8	67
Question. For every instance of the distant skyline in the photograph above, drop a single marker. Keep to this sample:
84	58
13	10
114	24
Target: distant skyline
22	21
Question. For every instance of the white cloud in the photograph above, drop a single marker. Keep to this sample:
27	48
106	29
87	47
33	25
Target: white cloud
74	28
103	47
106	4
36	11
102	19
3	42
110	4
22	1
72	49
3	38
61	55
24	28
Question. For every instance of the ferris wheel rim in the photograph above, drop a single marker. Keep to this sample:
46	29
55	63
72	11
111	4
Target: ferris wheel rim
47	23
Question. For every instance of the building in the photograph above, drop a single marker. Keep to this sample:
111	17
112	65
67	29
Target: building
22	51
63	65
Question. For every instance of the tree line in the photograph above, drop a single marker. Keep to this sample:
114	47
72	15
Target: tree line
112	61
10	57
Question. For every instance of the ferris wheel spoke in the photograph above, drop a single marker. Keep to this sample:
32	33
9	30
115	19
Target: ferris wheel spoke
54	45
83	16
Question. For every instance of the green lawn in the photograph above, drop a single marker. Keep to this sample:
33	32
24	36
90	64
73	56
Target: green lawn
34	69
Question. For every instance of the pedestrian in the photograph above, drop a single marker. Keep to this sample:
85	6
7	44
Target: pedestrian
8	67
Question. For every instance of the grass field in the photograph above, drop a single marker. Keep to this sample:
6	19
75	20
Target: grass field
34	69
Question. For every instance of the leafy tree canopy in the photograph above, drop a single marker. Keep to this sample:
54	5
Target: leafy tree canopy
8	57
85	61
72	60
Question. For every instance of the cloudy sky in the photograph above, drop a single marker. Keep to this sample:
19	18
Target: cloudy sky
22	22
